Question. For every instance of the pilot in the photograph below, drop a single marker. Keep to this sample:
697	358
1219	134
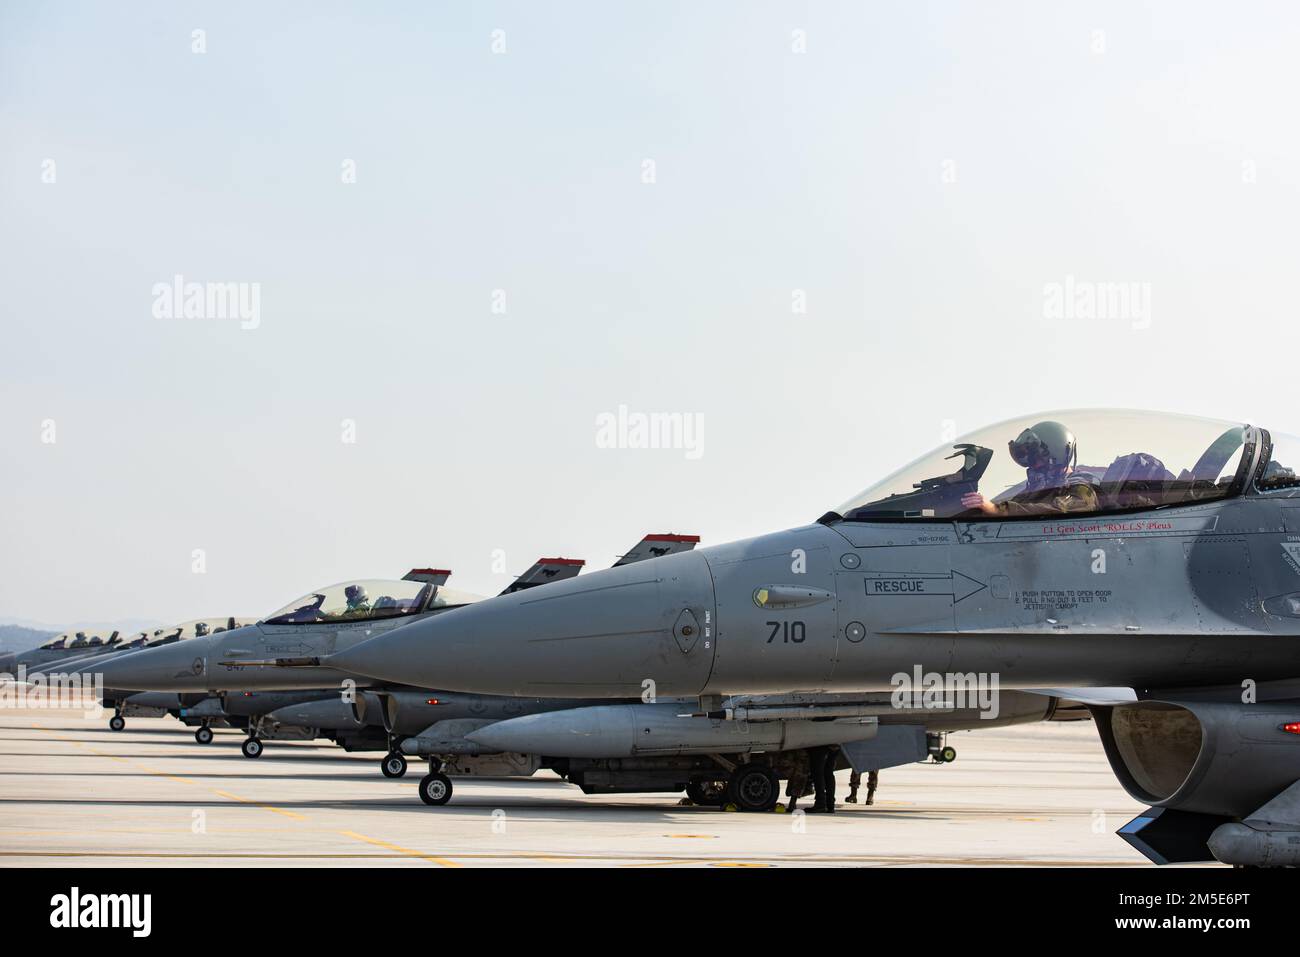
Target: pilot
358	600
1047	452
201	629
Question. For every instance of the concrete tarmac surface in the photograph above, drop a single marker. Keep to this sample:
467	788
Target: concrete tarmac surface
74	793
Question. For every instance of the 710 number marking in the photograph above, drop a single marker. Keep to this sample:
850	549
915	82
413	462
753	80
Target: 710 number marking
791	632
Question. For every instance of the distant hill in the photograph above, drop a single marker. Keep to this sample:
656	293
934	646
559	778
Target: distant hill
18	638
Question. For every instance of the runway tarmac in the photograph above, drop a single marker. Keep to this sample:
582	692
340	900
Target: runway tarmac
74	793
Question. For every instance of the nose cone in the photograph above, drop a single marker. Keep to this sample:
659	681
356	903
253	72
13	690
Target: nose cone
180	666
620	632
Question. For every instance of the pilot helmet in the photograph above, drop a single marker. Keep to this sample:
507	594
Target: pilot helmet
355	594
200	629
1047	447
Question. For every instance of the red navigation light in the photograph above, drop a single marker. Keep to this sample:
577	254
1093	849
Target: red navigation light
1291	727
432	701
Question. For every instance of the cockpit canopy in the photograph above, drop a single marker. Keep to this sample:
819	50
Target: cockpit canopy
80	639
368	600
1118	461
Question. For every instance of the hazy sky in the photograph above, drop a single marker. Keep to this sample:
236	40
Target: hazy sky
924	173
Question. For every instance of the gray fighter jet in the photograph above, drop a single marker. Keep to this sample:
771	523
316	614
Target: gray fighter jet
308	714
222	683
330	617
1071	550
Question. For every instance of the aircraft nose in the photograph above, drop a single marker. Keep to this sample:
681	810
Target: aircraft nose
180	666
8	663
648	626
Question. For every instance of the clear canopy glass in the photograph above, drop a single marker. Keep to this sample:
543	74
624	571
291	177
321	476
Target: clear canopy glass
1073	461
355	601
1280	472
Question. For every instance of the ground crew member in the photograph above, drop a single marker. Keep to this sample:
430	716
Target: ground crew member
822	762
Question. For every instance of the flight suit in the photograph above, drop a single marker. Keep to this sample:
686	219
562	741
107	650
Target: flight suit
1076	496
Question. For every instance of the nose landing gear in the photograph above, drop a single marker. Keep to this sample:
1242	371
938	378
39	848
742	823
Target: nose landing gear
393	765
435	787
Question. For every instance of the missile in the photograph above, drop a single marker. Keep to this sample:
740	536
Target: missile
620	731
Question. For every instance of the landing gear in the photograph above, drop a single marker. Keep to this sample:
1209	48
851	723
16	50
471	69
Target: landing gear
252	747
754	787
435	789
116	723
393	765
203	735
940	751
707	793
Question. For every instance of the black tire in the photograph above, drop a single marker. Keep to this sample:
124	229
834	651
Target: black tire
706	793
393	765
948	754
435	789
117	722
203	735
754	787
252	748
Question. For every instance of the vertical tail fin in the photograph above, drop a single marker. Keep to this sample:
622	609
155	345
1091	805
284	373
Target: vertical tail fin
438	576
545	570
656	546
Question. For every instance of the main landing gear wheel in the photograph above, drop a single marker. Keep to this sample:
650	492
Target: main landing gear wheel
949	753
203	735
754	787
435	789
117	722
393	765
252	748
707	793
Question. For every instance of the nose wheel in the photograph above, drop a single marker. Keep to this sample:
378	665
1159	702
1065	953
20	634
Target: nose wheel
252	747
116	723
203	735
435	789
393	765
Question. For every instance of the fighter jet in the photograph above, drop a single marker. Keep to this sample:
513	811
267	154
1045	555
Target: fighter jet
119	701
232	680
1059	552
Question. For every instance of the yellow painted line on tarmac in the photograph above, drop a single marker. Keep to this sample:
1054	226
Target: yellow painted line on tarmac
261	804
399	849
